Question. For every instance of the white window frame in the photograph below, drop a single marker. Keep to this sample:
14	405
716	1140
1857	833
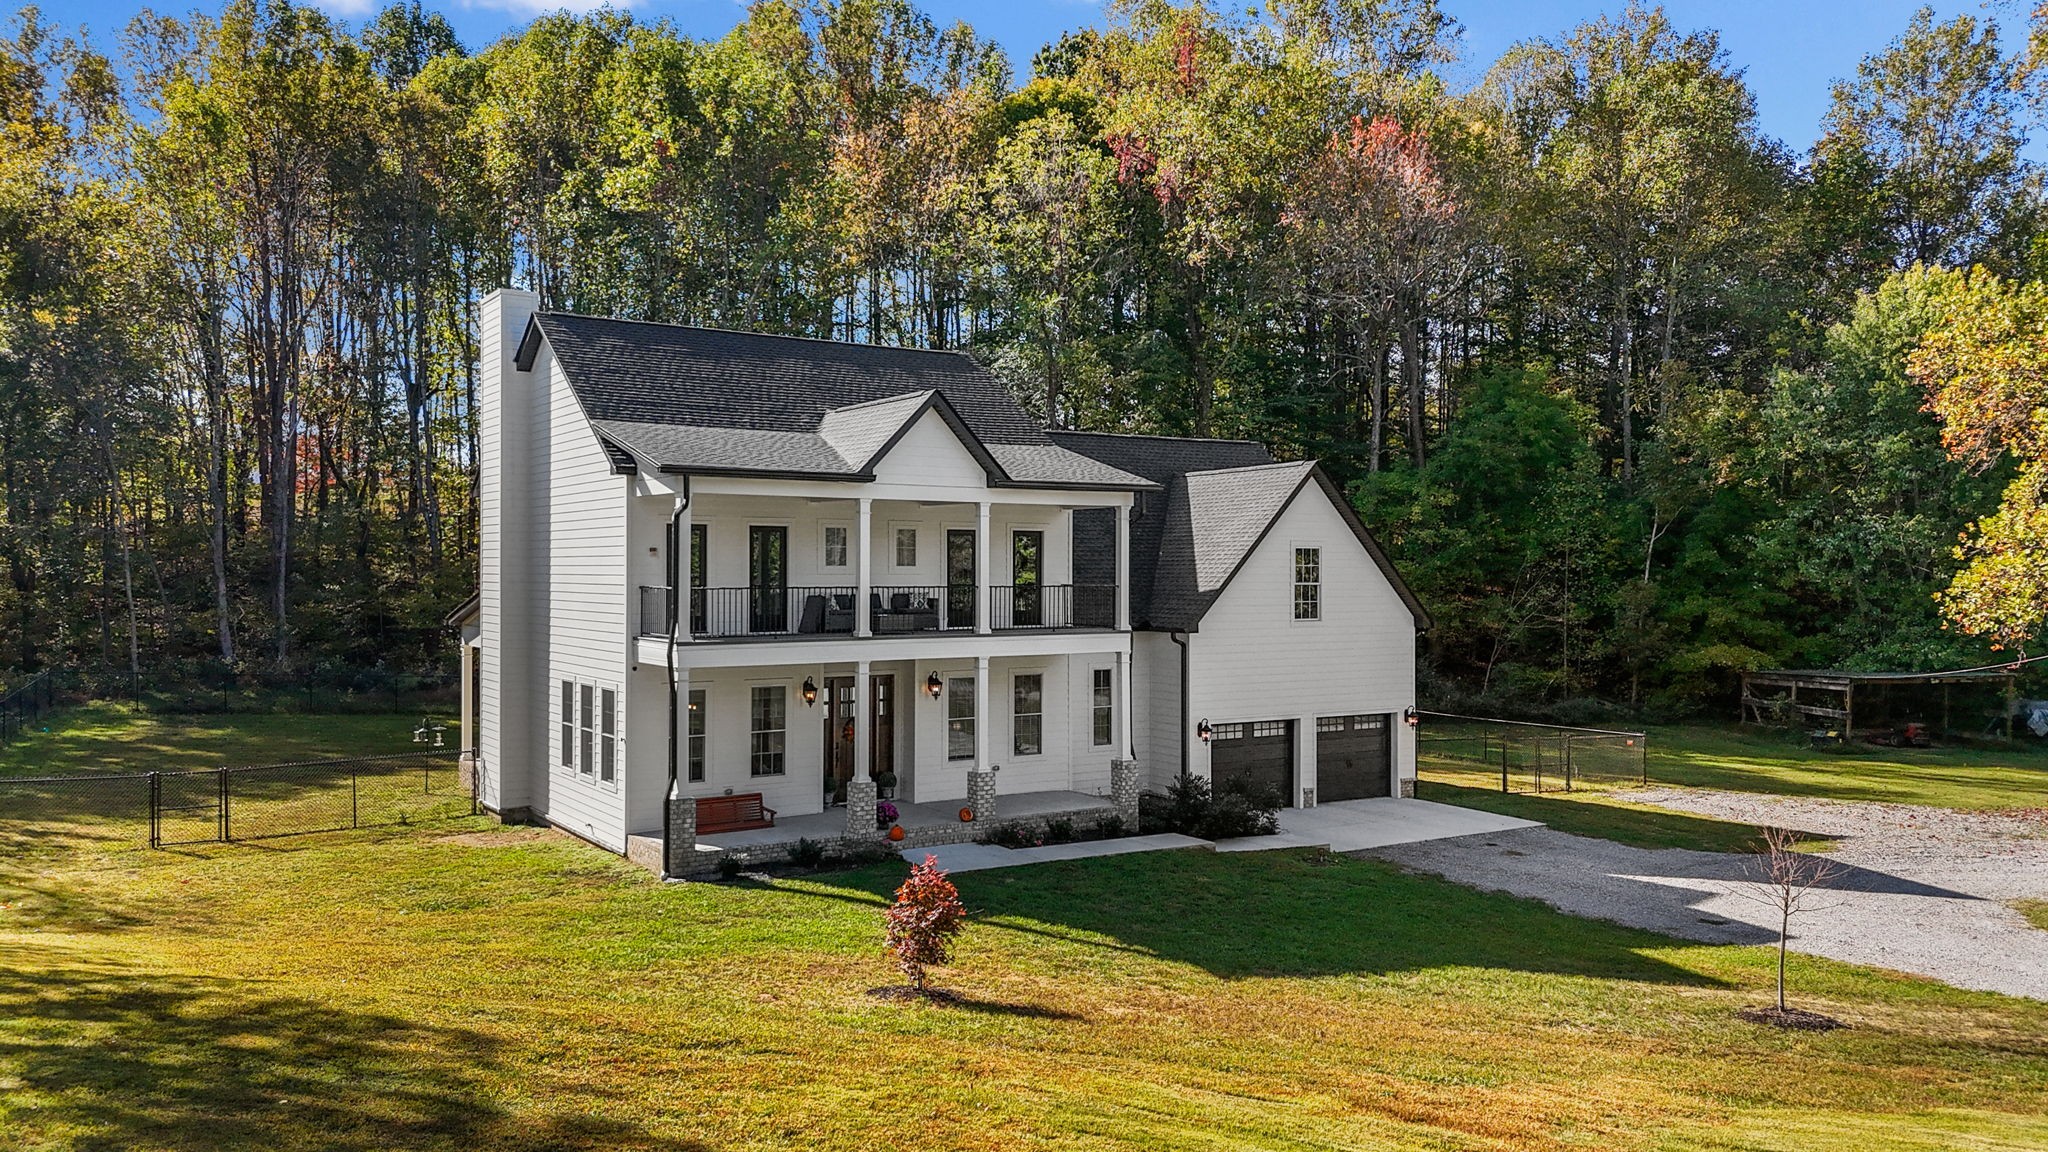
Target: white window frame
586	728
961	688
1016	746
917	545
696	737
1101	707
567	726
825	531
1297	585
754	734
610	740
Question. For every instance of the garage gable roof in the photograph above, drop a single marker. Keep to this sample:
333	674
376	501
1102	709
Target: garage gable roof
1216	519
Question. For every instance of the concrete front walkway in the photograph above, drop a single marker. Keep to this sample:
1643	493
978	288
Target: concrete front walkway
1344	826
1356	825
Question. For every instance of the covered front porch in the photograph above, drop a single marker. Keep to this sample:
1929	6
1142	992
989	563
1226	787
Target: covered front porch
924	825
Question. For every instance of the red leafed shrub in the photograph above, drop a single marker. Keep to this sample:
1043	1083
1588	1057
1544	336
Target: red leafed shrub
926	916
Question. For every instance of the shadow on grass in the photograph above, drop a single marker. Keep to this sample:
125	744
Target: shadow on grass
1637	827
105	1059
1286	914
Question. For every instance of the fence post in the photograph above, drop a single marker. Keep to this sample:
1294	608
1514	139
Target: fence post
1643	760
1567	761
1503	764
1539	764
156	803
354	803
226	830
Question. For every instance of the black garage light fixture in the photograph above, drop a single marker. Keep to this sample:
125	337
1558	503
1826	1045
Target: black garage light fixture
810	691
1412	717
1203	730
933	686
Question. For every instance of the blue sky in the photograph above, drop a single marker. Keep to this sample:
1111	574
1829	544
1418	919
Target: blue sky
1791	49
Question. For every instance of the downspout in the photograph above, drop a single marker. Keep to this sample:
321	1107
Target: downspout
675	616
1181	640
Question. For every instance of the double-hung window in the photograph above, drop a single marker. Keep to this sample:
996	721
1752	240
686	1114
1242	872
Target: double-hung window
568	723
696	735
608	735
906	548
1308	583
770	719
586	726
960	718
1102	697
836	553
1027	714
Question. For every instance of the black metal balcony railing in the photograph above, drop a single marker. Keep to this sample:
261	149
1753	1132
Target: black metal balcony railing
892	609
933	608
1052	606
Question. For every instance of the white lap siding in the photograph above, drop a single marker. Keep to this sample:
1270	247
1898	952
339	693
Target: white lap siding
1252	660
581	561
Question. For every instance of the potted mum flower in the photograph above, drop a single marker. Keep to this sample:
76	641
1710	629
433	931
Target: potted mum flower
885	815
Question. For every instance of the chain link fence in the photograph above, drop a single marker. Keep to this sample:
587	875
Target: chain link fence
159	809
1519	756
25	704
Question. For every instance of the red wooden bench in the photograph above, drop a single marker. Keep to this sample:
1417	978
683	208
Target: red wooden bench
733	813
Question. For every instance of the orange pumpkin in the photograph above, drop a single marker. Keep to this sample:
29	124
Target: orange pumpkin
967	815
896	832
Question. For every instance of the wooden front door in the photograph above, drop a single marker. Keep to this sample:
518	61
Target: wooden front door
839	742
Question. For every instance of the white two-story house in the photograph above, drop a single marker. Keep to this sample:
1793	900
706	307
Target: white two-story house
750	574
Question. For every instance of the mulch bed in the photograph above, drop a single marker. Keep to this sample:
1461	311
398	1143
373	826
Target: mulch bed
902	993
1793	1019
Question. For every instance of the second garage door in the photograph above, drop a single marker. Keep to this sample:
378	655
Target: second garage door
1352	759
1260	754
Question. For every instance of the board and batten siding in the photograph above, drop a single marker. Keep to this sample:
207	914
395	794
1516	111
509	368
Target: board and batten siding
581	562
1252	660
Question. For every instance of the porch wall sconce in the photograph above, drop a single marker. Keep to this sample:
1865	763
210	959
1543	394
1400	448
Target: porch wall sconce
933	686
1412	717
1204	731
810	691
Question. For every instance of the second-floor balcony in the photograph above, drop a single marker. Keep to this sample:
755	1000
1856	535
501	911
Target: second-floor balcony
892	610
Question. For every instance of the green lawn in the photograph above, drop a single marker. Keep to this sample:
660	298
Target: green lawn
461	985
467	987
108	737
1759	760
2036	912
1748	760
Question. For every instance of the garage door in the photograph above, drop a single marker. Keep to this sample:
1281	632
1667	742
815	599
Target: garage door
1352	758
1259	753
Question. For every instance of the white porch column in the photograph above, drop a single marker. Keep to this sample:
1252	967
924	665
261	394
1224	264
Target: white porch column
1125	749
981	779
863	574
981	713
863	731
985	587
1123	574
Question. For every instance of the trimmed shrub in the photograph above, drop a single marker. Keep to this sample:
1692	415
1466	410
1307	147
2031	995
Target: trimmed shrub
807	853
1191	809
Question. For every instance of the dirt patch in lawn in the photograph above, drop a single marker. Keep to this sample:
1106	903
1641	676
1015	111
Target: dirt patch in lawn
497	837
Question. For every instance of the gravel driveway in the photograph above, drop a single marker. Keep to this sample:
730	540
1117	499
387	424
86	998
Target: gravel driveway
1922	890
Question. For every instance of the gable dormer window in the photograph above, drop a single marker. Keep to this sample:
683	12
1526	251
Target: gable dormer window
1308	583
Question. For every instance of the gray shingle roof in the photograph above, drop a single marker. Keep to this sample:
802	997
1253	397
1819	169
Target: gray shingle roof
1221	498
708	400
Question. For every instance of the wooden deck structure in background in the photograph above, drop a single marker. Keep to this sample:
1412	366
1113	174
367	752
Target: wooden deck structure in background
1831	694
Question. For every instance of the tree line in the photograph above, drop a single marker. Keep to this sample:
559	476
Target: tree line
1637	395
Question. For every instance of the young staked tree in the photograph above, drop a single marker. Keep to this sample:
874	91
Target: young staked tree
923	921
1786	881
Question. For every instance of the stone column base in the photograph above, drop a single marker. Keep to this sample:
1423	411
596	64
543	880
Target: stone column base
682	836
981	795
860	807
1123	790
1407	787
